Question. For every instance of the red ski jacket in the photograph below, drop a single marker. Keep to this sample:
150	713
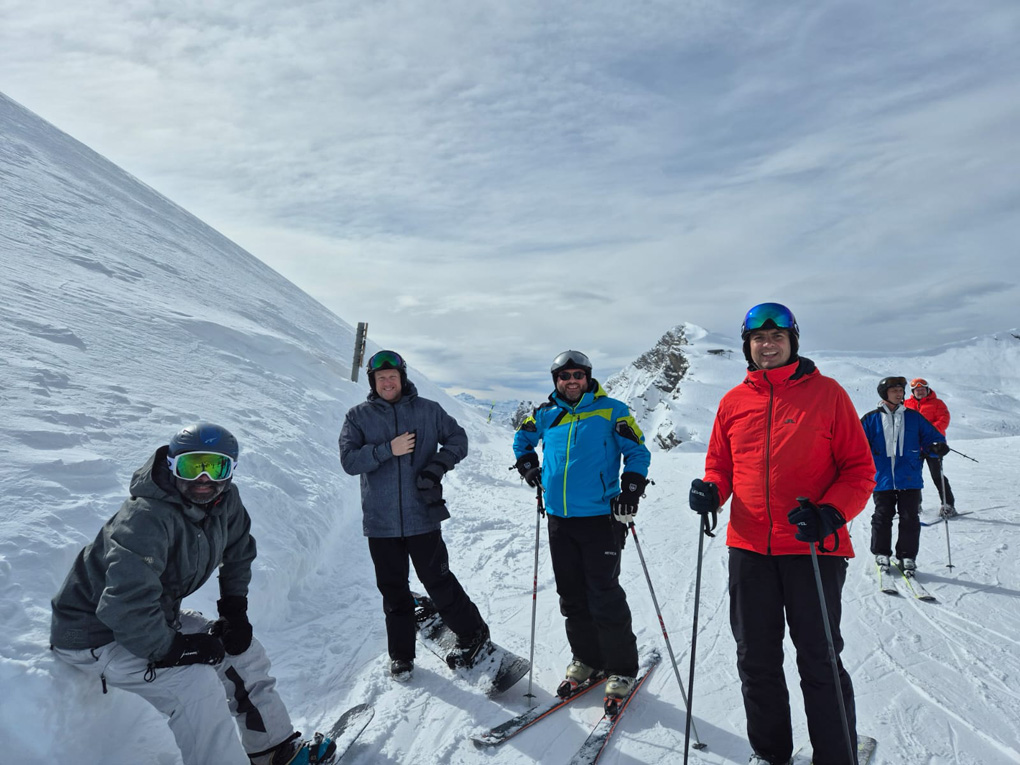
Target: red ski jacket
786	433
932	408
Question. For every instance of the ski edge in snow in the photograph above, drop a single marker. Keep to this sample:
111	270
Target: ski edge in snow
916	588
507	730
349	727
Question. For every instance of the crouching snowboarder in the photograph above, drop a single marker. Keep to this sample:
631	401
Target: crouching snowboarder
118	613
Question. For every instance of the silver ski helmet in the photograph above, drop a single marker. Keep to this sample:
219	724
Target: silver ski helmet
570	360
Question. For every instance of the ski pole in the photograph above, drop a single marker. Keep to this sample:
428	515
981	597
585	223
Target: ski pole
945	522
703	530
962	454
534	587
804	501
662	625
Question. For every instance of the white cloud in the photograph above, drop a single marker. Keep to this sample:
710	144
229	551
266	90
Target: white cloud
516	178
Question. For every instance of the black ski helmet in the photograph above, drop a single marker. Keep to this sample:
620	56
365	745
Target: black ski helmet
570	360
203	437
890	382
770	316
386	360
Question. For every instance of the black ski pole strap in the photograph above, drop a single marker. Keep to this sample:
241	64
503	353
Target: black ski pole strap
821	544
538	500
705	527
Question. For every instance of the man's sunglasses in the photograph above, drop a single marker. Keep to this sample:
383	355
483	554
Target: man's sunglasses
575	375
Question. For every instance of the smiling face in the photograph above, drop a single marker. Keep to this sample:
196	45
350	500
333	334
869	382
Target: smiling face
770	348
894	395
574	386
388	385
202	490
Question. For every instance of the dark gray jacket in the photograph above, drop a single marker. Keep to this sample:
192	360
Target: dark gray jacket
129	583
390	501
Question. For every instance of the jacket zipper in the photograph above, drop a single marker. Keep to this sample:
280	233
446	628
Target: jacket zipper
566	467
400	483
768	455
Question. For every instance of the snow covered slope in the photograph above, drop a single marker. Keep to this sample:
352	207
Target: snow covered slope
122	317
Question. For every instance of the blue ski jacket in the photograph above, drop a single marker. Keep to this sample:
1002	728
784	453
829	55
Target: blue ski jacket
581	450
897	441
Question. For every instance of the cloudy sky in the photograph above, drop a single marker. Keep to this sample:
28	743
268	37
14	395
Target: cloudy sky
489	183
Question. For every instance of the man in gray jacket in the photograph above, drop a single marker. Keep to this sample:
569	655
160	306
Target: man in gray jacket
402	445
118	614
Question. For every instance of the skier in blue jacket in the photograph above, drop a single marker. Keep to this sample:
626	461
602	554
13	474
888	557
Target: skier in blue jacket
899	437
402	445
584	433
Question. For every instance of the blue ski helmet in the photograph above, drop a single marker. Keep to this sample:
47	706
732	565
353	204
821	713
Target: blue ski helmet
203	437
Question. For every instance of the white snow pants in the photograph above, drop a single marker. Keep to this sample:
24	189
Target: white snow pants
193	697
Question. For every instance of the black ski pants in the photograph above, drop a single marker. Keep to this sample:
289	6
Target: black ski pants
432	565
937	476
907	503
764	589
585	556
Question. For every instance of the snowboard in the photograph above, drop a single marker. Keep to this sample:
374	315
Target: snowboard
346	730
495	669
865	748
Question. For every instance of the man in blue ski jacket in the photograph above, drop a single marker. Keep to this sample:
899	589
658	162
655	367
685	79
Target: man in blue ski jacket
584	433
899	437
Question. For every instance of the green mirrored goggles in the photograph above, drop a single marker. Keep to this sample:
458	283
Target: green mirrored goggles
190	465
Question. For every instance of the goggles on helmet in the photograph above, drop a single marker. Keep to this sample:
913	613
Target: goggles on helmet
191	465
918	382
570	359
386	360
893	382
769	316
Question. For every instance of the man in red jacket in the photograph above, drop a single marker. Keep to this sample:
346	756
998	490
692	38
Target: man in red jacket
784	433
935	411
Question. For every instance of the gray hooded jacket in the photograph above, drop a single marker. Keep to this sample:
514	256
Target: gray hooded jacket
158	548
391	504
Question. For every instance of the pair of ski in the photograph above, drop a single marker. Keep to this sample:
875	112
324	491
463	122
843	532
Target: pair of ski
594	745
887	582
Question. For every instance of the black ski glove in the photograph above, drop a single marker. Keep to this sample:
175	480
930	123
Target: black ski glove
527	465
429	482
939	448
233	627
195	648
704	497
816	522
625	504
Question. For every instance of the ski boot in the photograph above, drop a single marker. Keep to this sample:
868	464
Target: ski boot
319	749
468	647
947	511
577	673
401	669
757	759
907	566
618	688
883	563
